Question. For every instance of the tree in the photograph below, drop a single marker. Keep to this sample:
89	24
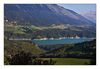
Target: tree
22	58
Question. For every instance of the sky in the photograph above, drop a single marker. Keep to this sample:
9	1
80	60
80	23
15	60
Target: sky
80	8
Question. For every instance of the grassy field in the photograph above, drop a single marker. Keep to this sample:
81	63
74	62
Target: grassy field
70	61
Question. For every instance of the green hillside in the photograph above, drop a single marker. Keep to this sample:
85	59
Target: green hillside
85	50
15	46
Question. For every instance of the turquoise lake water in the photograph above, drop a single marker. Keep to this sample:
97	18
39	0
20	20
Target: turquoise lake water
61	41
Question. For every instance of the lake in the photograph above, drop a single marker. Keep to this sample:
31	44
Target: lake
61	41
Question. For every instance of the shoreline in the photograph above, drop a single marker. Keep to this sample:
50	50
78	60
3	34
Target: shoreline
61	38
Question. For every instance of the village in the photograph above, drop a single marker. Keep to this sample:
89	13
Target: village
76	37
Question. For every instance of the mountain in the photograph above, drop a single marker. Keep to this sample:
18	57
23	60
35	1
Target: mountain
91	15
43	15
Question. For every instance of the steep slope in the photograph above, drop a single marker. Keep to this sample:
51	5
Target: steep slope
91	15
43	15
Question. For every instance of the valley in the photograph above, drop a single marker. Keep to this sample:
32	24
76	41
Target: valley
47	34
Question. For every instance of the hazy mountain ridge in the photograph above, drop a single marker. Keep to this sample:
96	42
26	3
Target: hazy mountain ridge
91	15
43	14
